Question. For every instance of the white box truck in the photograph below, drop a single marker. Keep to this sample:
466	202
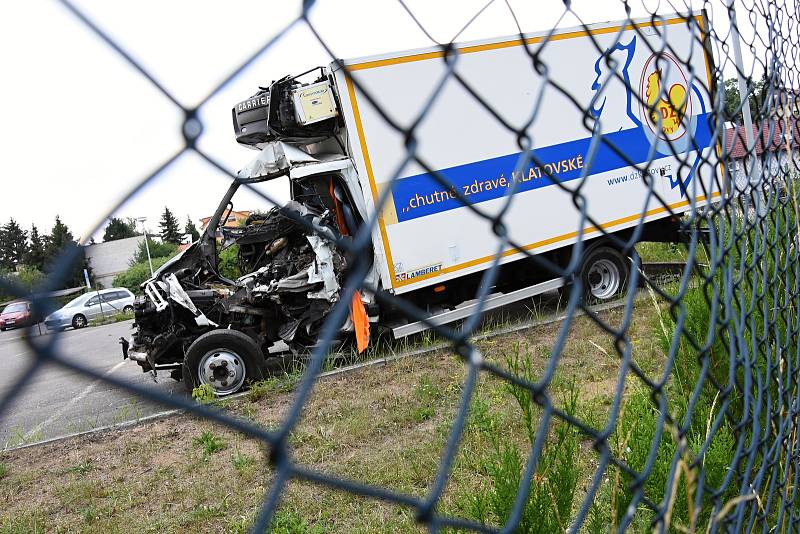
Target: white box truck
564	134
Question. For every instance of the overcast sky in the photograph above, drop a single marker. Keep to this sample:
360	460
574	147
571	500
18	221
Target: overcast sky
80	127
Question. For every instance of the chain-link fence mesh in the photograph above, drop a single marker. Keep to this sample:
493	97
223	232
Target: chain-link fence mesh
718	436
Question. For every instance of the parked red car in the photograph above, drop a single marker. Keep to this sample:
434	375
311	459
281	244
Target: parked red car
17	314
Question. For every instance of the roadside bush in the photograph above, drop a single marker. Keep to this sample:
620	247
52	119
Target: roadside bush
137	274
229	262
157	250
27	277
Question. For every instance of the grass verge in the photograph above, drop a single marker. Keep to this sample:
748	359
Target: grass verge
382	425
110	319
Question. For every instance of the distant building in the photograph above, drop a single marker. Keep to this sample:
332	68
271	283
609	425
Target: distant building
111	258
235	219
777	143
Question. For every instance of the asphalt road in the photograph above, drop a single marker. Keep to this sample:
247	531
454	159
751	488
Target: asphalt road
57	401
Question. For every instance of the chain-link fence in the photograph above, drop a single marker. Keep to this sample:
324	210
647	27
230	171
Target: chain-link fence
716	434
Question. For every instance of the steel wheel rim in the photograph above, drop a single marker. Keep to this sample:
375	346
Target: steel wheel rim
604	279
223	370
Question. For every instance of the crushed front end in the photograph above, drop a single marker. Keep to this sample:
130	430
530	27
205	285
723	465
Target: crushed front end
208	329
292	283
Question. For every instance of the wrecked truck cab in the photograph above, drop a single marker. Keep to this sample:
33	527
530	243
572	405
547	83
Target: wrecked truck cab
291	280
206	329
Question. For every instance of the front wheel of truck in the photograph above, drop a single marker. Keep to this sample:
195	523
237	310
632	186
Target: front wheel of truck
225	360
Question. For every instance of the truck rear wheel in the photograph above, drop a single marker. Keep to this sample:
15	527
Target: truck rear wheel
604	273
225	360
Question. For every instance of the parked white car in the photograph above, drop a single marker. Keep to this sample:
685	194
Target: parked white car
79	311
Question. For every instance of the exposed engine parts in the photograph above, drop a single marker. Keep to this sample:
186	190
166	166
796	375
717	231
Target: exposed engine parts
293	280
206	328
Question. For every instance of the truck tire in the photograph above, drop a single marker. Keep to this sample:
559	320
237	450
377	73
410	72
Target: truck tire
604	273
226	360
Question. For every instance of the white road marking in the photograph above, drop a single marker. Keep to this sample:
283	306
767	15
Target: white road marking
88	389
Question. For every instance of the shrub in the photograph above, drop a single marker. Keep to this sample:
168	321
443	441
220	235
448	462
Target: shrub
157	250
137	274
229	263
29	276
204	394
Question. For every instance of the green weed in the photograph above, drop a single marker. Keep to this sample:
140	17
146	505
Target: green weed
428	395
29	522
89	514
209	443
290	522
204	394
111	318
552	488
242	462
82	468
272	385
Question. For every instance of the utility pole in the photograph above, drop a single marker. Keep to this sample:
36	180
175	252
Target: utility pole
744	97
146	244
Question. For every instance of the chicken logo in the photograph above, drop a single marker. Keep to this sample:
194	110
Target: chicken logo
666	102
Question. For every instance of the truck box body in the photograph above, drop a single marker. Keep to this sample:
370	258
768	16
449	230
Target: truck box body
426	236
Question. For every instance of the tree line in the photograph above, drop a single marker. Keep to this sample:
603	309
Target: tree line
31	254
169	228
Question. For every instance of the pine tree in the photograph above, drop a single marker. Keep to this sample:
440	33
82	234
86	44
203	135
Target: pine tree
191	229
57	243
5	252
59	238
13	245
35	255
170	231
119	229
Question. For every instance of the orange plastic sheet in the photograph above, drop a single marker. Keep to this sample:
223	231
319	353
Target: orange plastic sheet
360	322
